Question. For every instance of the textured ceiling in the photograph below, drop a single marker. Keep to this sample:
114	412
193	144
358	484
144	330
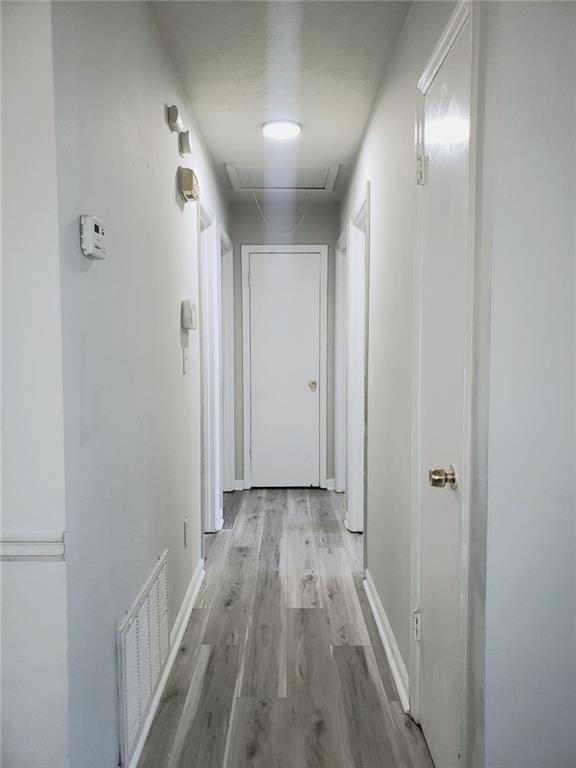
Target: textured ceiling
243	63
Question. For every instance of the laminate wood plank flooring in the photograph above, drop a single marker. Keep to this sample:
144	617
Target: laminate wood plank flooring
303	578
281	664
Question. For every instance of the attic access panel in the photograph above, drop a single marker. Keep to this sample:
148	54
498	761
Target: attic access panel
246	178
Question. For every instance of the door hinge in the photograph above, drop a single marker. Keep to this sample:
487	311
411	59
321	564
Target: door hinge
421	170
417	624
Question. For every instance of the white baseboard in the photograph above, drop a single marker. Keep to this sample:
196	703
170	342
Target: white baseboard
176	635
239	485
330	484
397	666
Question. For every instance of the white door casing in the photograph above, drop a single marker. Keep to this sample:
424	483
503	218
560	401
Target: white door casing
284	332
351	361
213	241
442	402
356	371
228	378
340	346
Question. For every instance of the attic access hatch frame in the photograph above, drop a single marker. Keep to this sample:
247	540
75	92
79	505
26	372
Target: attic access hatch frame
234	174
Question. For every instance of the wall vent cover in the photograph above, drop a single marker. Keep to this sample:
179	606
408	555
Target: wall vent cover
143	644
246	177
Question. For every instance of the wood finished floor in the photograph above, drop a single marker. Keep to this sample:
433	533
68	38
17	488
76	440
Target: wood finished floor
281	665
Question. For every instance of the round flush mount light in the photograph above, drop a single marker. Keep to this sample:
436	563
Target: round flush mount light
281	129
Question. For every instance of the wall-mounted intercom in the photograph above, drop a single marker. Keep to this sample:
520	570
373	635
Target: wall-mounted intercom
92	237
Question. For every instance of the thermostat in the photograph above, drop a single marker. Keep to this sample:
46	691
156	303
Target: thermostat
92	238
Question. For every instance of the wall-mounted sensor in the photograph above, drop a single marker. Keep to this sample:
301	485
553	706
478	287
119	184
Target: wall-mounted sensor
185	143
188	184
92	237
186	318
174	119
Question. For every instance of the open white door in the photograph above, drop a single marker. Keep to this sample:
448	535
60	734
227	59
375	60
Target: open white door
443	400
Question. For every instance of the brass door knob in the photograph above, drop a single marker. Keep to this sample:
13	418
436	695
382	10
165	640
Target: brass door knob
313	385
440	477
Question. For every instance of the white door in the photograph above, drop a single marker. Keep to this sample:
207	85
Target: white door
285	368
355	377
446	119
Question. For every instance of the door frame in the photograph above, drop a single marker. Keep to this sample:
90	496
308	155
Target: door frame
228	377
322	251
214	244
361	220
462	14
341	255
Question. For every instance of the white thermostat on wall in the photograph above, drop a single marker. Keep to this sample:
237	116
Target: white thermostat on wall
92	237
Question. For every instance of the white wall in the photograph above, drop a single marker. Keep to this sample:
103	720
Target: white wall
320	227
132	419
527	214
387	160
34	690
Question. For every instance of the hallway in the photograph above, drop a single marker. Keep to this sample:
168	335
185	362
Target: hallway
281	663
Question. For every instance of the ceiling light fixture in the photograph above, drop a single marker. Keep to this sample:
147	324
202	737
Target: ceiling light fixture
281	130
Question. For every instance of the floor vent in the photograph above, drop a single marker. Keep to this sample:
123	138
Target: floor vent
143	646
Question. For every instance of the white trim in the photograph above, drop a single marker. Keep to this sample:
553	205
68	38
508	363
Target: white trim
397	666
210	274
360	220
340	364
415	517
360	216
330	484
459	17
32	545
323	383
205	218
225	241
462	13
176	635
239	485
228	393
246	357
322	250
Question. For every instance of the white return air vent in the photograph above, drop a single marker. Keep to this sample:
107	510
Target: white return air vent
246	178
143	646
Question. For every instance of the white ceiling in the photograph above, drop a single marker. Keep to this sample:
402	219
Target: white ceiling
243	63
